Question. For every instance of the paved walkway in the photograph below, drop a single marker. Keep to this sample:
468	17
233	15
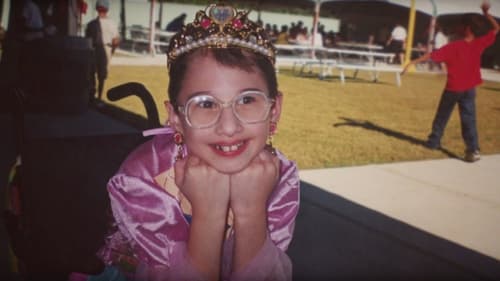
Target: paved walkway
449	198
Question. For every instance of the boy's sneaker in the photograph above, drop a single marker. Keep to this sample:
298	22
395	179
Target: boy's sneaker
431	145
472	156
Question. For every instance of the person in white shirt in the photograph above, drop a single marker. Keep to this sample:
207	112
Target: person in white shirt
397	42
317	39
440	39
105	39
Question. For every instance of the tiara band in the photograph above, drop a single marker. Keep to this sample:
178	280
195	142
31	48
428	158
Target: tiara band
221	26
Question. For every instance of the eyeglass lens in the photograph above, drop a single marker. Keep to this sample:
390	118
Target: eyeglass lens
249	107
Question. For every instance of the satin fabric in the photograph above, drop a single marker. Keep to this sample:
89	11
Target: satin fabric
151	226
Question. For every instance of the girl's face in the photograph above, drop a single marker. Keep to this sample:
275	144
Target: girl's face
229	145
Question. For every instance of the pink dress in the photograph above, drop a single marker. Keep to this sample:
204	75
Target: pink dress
152	220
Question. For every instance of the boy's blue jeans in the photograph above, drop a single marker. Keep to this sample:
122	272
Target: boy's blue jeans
467	108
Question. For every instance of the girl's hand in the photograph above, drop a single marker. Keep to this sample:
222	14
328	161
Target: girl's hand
208	192
250	191
251	188
206	189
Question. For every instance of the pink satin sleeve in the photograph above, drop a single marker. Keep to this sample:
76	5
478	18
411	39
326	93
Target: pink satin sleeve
150	222
152	227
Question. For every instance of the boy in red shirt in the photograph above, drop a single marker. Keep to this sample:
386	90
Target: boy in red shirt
463	62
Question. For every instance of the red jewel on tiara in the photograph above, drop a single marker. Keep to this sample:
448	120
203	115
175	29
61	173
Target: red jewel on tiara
205	23
237	23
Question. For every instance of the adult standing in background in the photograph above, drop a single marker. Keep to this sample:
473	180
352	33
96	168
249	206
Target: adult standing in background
397	42
440	39
283	35
105	39
463	63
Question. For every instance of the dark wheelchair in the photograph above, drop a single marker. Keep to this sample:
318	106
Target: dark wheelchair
55	164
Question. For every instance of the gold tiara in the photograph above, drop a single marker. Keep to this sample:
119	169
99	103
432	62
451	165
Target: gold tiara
221	26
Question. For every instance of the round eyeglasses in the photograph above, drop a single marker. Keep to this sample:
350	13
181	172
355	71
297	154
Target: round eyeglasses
249	107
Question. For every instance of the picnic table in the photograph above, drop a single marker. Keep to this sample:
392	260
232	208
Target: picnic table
139	36
360	46
327	59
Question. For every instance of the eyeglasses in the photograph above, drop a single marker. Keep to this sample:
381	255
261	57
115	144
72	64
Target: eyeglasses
249	107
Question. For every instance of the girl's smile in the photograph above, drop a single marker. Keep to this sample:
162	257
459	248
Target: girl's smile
229	150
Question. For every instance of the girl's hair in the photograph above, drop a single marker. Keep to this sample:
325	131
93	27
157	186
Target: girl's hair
231	57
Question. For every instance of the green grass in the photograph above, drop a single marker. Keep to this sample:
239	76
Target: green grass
326	124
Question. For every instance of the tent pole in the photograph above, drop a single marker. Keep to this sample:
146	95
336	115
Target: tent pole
411	31
160	15
123	22
432	27
152	28
315	26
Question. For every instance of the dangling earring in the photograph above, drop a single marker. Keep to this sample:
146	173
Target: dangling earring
269	144
179	142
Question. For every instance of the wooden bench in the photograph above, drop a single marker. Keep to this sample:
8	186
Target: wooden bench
139	36
296	56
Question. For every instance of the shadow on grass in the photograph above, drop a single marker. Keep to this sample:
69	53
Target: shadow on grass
388	132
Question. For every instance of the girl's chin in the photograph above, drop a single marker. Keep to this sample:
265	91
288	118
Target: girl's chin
229	168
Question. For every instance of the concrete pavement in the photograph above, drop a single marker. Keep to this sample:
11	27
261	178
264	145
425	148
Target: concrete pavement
449	198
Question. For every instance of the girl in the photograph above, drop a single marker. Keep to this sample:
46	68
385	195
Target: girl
209	198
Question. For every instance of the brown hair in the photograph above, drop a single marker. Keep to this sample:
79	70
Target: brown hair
231	57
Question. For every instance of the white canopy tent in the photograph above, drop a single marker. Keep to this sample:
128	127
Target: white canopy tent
153	6
443	7
431	7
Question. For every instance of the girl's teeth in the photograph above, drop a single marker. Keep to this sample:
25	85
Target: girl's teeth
228	148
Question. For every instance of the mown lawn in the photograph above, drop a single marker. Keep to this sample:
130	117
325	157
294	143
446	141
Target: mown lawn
326	124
